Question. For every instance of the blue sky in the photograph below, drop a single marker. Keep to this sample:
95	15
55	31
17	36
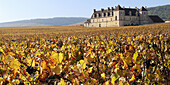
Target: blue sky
12	10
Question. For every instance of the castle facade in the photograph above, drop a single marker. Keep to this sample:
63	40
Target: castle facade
121	16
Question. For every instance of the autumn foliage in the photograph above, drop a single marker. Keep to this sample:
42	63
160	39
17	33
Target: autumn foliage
90	56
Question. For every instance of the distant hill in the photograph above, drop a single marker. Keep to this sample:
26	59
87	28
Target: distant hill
161	11
45	22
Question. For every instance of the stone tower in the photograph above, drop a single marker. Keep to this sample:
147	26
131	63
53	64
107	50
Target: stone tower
143	15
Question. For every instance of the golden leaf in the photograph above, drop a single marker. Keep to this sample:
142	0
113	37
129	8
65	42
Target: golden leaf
44	65
106	83
132	79
135	55
60	58
90	69
62	82
15	64
28	61
83	64
103	75
114	79
57	69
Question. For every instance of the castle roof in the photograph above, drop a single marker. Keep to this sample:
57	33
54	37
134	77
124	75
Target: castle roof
156	19
88	21
133	11
118	8
143	9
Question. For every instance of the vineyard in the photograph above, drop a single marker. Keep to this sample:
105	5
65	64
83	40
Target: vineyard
61	55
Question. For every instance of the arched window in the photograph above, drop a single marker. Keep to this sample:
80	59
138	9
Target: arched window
95	15
108	14
104	14
115	17
99	15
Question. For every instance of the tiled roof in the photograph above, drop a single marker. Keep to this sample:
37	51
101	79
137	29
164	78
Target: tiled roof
88	21
143	9
118	8
156	19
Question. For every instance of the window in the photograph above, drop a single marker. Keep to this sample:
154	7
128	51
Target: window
111	19
104	14
95	16
102	20
108	14
115	17
99	15
93	20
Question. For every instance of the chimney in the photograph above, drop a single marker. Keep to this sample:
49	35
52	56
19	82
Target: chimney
115	7
145	7
129	6
102	9
136	7
123	6
94	10
108	8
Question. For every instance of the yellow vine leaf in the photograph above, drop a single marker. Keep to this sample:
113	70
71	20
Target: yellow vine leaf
15	64
114	79
44	65
90	69
132	79
135	55
33	63
1	50
91	56
83	64
120	83
60	58
62	82
22	77
54	57
11	53
16	81
57	69
125	64
7	58
75	81
106	83
28	61
103	75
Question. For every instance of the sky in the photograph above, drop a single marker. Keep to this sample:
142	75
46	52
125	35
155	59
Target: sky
13	10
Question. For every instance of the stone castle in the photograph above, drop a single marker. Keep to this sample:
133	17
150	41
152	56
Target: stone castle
121	16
